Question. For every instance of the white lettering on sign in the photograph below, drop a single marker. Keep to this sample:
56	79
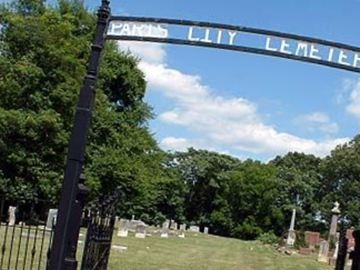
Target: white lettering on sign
138	29
357	60
220	36
210	35
302	49
232	36
313	51
342	58
268	45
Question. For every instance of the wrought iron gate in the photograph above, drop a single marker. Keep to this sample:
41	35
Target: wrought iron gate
100	221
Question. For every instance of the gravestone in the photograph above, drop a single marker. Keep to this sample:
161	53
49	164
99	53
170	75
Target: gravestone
333	235
182	231
12	215
312	239
140	231
324	252
290	241
51	219
123	228
173	225
133	224
206	230
336	251
334	221
194	229
165	229
117	219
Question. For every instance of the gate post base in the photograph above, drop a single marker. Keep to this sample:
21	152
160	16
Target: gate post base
70	264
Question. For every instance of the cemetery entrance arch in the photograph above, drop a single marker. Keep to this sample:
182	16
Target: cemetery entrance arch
181	32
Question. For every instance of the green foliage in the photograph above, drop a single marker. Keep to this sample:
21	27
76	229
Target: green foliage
300	240
44	52
268	238
298	177
341	181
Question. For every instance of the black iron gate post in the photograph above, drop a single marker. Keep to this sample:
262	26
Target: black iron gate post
343	246
355	255
65	240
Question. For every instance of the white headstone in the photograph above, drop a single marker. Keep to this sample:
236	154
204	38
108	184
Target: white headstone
12	215
165	229
51	219
140	231
206	230
194	229
290	241
324	252
173	225
123	228
133	224
182	231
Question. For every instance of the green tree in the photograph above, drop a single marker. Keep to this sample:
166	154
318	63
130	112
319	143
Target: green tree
252	197
200	170
43	56
341	181
298	182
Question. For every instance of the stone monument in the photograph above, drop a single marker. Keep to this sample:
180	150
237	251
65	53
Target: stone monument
326	245
12	215
165	229
140	231
195	229
312	239
182	231
123	228
51	219
290	241
334	221
324	252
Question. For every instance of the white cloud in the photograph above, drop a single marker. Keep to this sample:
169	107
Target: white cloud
349	95
175	144
149	52
317	121
353	106
223	123
317	117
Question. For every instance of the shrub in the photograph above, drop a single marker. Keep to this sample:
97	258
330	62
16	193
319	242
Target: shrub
268	238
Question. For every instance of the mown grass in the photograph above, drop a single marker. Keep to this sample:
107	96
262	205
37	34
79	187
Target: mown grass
23	247
195	252
200	252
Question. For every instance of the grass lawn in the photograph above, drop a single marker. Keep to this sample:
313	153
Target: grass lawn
23	247
195	252
200	252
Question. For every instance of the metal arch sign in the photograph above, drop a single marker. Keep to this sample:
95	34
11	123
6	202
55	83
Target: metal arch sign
236	38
